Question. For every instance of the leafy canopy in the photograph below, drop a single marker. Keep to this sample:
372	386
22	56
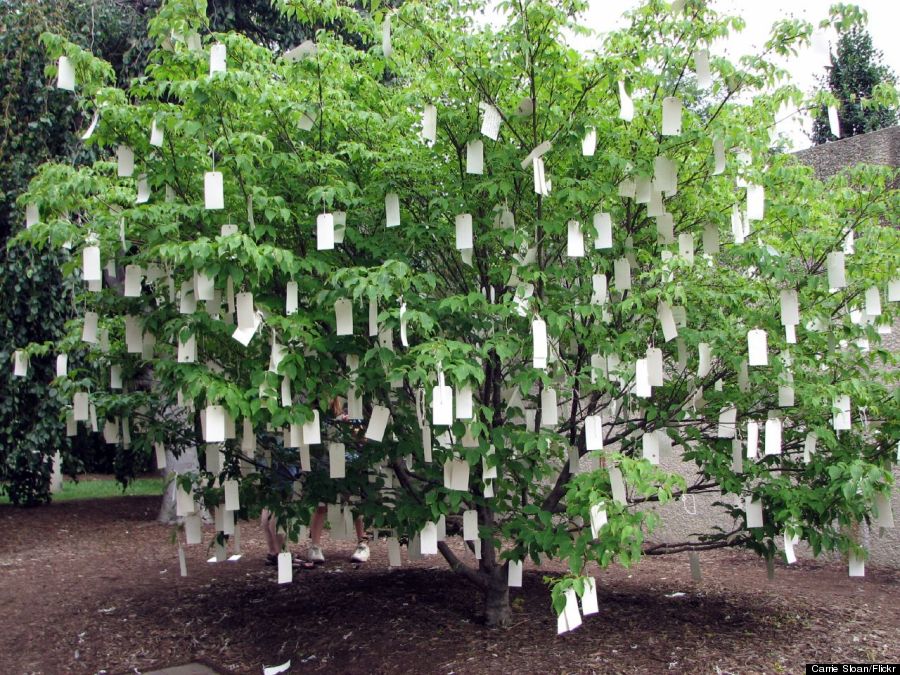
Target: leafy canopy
649	333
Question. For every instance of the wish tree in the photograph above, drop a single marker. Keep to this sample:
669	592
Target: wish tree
532	273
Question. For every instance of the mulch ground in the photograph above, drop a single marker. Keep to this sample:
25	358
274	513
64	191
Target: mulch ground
94	586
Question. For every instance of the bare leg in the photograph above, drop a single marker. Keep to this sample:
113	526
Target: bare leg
317	524
274	541
360	529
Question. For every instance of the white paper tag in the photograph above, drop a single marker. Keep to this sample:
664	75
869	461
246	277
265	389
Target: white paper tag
490	121
540	348
386	47
217	58
343	312
667	321
650	447
789	542
757	348
701	67
773	437
755	202
575	246
124	161
837	277
603	227
89	327
62	365
392	209
857	566
464	236
378	423
727	422
622	274
754	512
470	525
593	432
514	574
549	409
91	268
285	568
752	439
598	519
475	157
626	106
213	190
65	74
428	539
841	417
337	458
589	142
156	134
429	124
718	156
325	232
834	124
671	116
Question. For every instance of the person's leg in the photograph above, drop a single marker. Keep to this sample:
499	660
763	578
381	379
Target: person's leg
361	554
360	529
274	542
316	525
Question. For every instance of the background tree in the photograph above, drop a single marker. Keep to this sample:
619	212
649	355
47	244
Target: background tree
39	123
560	291
856	73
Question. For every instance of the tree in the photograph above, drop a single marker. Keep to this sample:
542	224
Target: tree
37	125
864	88
557	329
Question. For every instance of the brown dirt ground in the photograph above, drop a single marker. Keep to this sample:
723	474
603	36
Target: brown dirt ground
94	586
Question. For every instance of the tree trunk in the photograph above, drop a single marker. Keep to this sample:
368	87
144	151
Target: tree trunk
496	602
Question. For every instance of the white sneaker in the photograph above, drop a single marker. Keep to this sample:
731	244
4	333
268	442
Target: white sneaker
315	554
361	554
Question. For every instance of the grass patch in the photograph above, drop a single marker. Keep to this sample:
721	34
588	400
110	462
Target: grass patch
103	488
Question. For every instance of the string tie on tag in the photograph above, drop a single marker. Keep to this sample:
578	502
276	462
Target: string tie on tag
692	510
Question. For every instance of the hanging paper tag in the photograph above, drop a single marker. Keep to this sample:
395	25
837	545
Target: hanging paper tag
757	348
392	209
429	124
124	161
539	343
671	116
217	58
213	190
343	311
475	157
325	232
378	423
589	142
626	106
464	237
701	67
65	74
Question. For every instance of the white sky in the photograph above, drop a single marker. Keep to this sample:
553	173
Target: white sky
884	20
